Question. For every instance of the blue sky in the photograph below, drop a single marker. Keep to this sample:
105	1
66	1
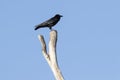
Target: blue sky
88	46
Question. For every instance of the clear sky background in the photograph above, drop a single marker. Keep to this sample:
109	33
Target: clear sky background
88	46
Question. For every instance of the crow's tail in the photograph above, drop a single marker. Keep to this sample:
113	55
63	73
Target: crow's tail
37	27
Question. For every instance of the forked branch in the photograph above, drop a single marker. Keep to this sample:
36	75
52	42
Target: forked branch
51	56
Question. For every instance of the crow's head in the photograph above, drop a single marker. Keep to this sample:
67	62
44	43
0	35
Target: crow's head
58	15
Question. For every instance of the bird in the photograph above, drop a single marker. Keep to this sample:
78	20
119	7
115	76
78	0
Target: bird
49	23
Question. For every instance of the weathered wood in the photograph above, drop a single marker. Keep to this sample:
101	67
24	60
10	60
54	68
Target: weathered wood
51	56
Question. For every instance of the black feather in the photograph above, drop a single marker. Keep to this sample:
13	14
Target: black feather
49	23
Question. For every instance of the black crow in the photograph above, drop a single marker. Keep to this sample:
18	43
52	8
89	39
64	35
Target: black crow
49	23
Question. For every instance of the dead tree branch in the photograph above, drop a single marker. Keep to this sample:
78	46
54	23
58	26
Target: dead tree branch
51	56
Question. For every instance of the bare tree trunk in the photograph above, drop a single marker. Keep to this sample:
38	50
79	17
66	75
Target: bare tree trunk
51	56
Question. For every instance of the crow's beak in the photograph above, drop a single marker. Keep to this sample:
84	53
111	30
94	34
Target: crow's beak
61	16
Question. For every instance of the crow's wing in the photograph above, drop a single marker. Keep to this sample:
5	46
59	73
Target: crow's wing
42	25
51	22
